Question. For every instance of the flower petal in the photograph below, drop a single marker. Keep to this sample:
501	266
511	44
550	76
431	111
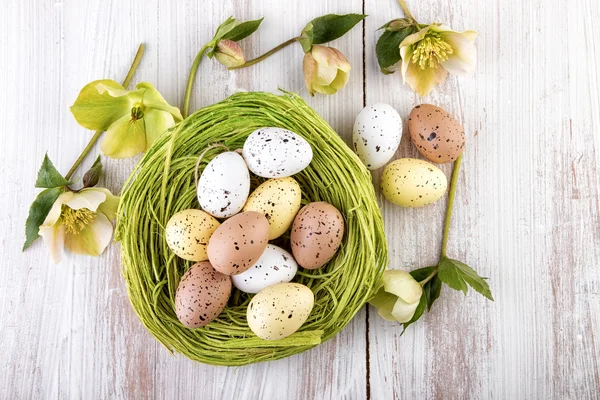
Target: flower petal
153	99
309	68
403	311
423	81
89	198
98	110
403	285
93	239
110	205
156	122
385	303
415	37
54	239
340	80
463	59
125	138
324	89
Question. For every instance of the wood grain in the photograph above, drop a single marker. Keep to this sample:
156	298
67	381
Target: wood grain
527	211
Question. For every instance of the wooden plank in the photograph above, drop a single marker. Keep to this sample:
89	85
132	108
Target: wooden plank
68	330
526	213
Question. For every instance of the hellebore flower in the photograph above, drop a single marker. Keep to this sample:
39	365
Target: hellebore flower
326	70
132	119
81	222
399	296
229	53
431	53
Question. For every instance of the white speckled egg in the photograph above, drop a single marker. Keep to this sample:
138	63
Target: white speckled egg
187	234
279	310
276	153
201	295
274	266
279	200
376	134
224	185
410	182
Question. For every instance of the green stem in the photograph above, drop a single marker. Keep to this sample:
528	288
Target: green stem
191	78
406	12
267	54
429	277
451	195
94	139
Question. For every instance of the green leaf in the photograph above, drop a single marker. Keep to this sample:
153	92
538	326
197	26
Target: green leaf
422	273
242	30
432	288
37	213
48	176
418	313
225	27
458	275
330	27
96	108
388	46
92	176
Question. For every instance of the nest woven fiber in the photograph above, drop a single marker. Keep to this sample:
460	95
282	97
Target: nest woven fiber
163	184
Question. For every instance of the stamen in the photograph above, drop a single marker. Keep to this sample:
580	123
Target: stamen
431	51
76	220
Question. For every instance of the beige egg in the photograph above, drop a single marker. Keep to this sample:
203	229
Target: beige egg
439	137
409	182
280	310
279	200
187	234
201	295
238	243
316	235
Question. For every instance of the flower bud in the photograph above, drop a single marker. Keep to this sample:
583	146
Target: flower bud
326	70
398	298
229	53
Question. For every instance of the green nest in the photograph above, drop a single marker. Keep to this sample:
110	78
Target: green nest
163	184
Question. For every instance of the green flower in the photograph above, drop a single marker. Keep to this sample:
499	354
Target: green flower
431	53
397	299
81	222
132	119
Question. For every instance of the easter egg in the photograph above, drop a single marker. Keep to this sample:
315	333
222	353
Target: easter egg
410	182
274	266
224	185
316	234
201	295
187	233
280	310
276	153
376	134
238	243
279	200
439	137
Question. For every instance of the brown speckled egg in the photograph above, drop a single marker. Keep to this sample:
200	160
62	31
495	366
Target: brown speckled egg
438	135
280	310
187	233
316	234
238	243
201	295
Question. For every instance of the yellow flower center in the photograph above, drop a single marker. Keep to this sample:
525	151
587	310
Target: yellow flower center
431	51
76	220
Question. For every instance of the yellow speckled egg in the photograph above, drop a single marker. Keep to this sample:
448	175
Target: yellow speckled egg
279	200
280	310
187	234
410	182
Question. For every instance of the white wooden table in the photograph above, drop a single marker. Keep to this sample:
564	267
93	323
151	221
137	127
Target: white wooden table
527	212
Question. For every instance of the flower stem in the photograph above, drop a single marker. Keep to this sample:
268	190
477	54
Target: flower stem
406	11
191	78
429	277
451	195
94	139
267	54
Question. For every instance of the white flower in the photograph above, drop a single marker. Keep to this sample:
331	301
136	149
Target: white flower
398	298
81	222
433	52
326	70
